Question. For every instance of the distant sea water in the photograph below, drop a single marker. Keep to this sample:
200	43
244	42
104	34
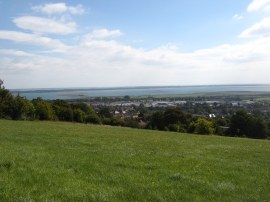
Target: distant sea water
75	93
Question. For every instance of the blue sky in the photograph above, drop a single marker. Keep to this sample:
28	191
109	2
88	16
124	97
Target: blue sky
88	43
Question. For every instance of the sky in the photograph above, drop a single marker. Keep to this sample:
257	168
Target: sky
87	43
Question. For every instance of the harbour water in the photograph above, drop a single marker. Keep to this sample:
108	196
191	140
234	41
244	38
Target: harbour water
75	93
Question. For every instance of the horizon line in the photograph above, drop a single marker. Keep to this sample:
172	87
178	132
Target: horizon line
128	87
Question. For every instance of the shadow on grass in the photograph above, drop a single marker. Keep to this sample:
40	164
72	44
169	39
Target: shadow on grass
6	165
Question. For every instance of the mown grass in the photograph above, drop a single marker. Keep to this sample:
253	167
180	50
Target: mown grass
54	161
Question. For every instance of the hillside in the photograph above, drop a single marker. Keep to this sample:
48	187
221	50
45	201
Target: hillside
58	161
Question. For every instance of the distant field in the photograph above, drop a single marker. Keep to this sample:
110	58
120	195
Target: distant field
263	99
54	161
244	94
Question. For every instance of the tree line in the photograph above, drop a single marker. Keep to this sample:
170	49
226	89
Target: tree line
241	124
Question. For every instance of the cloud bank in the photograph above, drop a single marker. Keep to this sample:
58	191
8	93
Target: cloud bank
99	58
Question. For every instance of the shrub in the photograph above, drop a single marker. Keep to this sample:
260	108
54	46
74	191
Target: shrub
173	127
78	115
132	123
92	118
114	121
43	109
204	127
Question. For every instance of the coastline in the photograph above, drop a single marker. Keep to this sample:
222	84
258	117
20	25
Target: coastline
155	91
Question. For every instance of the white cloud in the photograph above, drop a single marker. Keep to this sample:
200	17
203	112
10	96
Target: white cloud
76	10
51	8
31	67
44	25
32	39
59	8
106	62
259	5
110	63
238	17
100	62
260	29
103	34
18	53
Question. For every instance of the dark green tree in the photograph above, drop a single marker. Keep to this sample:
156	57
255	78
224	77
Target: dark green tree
105	112
243	124
174	116
114	121
1	83
43	109
156	121
63	110
22	108
78	115
6	100
87	109
93	118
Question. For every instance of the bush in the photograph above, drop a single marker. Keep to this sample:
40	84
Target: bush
78	115
131	124
63	110
22	109
43	109
114	121
174	127
92	118
204	127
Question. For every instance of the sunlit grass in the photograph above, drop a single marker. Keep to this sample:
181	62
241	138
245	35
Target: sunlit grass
54	161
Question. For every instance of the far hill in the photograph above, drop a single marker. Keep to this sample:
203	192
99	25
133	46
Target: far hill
57	161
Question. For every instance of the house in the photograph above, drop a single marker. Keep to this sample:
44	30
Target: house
212	116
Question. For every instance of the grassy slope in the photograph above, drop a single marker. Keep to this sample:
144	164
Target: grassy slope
61	161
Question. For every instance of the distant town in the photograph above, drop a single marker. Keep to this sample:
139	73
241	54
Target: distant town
208	106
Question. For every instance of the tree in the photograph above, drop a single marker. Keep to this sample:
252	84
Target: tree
114	121
78	115
243	124
6	100
239	124
131	123
92	118
204	127
63	110
259	129
127	98
1	83
174	127
87	109
105	112
22	108
43	109
174	116
156	121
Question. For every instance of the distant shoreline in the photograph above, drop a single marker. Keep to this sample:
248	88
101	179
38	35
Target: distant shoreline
124	87
141	91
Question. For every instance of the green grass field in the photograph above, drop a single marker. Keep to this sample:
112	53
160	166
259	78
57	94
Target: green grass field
54	161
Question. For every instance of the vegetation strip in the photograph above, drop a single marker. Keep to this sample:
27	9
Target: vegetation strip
231	119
